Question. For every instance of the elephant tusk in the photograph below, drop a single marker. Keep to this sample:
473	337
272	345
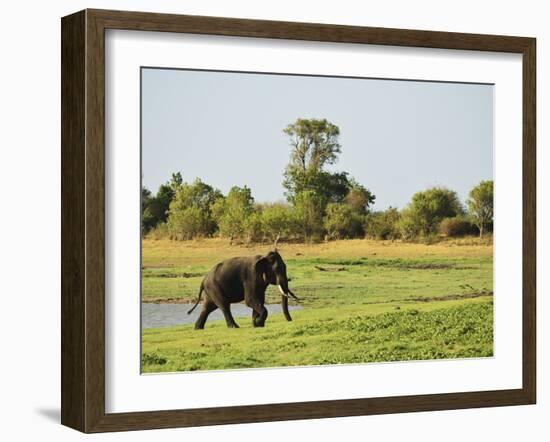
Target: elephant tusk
286	295
282	292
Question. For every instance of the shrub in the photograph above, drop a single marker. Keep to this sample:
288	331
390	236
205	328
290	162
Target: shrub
409	225
253	227
160	231
457	226
277	221
383	225
340	222
232	212
480	206
429	207
188	223
190	212
309	208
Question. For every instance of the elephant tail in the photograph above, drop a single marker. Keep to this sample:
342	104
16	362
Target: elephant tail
198	300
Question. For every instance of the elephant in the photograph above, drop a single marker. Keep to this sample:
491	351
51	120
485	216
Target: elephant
243	278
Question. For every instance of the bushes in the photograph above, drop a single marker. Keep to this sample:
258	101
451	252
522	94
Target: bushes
409	224
341	222
232	213
383	225
457	226
309	208
277	221
427	208
190	211
199	210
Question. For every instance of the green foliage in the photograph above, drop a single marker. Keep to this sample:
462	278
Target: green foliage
409	224
428	208
341	222
480	205
232	212
253	227
309	209
457	226
311	189
190	211
314	142
383	225
154	209
278	221
147	219
359	198
333	187
314	146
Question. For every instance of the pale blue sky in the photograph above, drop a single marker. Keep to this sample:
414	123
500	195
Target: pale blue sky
397	137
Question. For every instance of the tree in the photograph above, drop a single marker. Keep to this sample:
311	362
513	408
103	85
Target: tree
190	211
480	205
383	225
155	208
429	207
359	198
147	218
277	221
409	224
233	212
309	209
333	187
314	143
340	222
253	227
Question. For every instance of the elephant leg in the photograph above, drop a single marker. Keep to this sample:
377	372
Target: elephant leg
259	314
226	310
255	316
207	308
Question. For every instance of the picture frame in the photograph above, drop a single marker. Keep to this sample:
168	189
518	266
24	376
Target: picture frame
84	190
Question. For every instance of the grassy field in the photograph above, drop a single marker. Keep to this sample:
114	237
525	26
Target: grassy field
363	301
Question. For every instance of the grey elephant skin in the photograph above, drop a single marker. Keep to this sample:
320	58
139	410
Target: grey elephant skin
243	278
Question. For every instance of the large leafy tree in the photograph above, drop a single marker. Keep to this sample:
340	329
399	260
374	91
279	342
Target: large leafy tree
314	142
164	197
154	208
309	209
340	222
314	145
480	205
310	187
233	212
359	198
277	221
190	211
429	207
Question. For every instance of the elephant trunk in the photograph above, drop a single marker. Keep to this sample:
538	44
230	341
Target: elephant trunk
284	303
285	291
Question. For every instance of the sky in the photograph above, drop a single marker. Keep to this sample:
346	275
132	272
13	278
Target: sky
397	137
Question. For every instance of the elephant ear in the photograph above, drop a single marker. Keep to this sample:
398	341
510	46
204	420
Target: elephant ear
263	270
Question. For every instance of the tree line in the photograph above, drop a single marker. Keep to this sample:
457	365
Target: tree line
320	204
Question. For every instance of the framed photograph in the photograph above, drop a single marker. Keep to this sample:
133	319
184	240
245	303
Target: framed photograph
267	221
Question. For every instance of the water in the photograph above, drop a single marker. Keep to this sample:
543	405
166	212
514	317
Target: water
166	315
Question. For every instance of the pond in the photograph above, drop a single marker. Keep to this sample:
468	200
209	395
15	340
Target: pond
167	314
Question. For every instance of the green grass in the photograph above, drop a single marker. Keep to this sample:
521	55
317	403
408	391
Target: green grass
363	301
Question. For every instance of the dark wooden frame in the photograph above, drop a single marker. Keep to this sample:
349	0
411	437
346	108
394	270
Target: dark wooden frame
83	216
